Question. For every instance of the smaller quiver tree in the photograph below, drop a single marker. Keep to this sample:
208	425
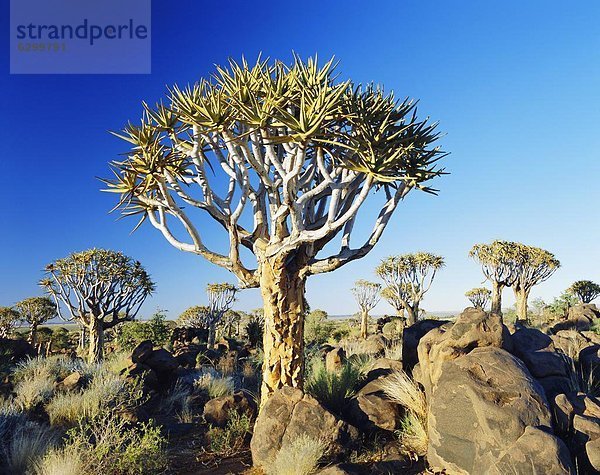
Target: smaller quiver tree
100	289
409	277
533	266
9	319
220	300
392	298
479	297
36	311
367	295
585	290
194	317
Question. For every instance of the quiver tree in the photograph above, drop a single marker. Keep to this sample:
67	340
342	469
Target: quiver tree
367	295
533	266
585	290
9	319
220	299
479	297
194	317
100	289
36	311
299	153
498	263
394	300
409	277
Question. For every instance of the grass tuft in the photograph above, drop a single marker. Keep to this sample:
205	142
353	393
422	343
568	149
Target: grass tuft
301	457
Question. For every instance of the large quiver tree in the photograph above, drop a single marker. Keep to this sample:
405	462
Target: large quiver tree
585	290
100	289
408	277
298	155
499	265
367	295
36	311
533	266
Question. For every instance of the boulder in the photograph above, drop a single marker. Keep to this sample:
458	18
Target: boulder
15	350
335	359
217	411
142	352
410	341
186	355
537	351
288	414
571	342
74	381
374	345
145	374
473	328
161	361
487	414
579	317
592	449
370	412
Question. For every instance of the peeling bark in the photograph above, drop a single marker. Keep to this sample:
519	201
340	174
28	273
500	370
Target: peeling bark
364	324
496	298
521	296
96	343
283	340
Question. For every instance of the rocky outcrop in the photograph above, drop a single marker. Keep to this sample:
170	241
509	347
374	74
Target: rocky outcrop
579	317
288	414
410	341
335	359
487	414
370	412
473	328
577	418
537	351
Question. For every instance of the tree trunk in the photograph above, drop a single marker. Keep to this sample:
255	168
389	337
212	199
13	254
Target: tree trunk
283	340
32	335
96	337
497	298
364	324
521	295
412	315
82	338
212	332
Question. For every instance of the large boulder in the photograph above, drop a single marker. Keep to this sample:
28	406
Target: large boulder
142	352
218	411
537	351
335	359
487	414
161	361
412	336
473	328
288	414
370	412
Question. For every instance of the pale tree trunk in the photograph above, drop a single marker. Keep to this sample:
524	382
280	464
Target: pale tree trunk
522	296
82	339
412	315
283	340
496	298
364	324
212	332
96	337
32	334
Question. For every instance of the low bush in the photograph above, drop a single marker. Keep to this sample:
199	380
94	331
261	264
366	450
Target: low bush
108	444
301	457
231	439
332	388
156	329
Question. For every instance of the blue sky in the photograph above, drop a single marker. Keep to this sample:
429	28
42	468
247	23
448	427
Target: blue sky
515	85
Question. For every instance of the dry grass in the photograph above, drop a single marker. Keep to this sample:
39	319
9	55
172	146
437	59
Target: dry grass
301	457
30	392
24	446
401	389
60	462
214	385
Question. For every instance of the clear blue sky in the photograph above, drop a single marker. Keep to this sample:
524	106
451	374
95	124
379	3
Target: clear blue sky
515	85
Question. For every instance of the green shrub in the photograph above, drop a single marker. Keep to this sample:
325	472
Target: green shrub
156	329
230	440
316	327
332	388
109	444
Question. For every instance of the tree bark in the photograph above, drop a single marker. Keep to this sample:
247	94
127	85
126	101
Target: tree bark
282	290
32	335
212	331
412	315
96	337
497	298
364	324
522	296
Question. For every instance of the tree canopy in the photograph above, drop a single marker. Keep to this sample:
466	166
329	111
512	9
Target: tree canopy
586	290
479	297
36	311
9	318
